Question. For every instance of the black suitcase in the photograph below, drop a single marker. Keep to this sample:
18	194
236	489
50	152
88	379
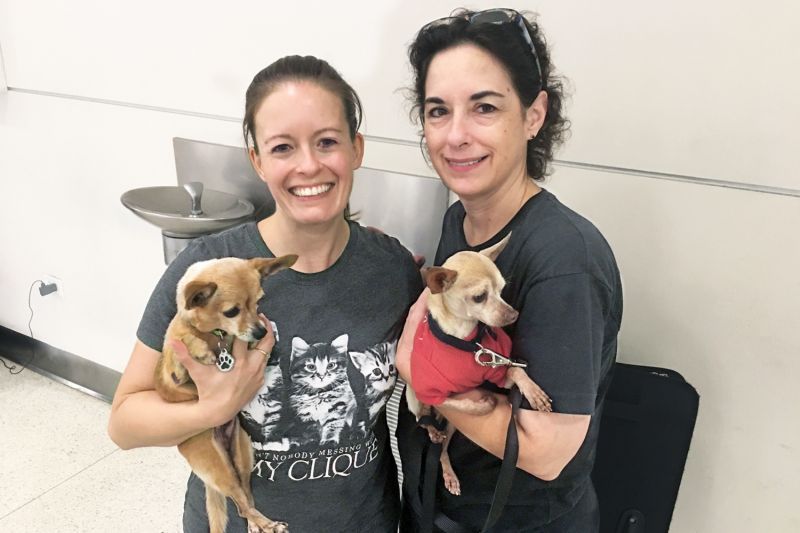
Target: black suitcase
645	430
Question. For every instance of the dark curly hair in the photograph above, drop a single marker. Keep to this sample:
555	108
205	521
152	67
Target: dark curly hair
504	43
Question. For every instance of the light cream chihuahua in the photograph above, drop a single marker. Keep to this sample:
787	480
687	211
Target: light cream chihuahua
461	344
217	300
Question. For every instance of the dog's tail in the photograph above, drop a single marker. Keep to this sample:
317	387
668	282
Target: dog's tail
217	510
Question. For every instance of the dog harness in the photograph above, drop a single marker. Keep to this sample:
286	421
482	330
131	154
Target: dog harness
442	365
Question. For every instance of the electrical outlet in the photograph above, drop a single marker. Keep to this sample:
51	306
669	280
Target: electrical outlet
47	279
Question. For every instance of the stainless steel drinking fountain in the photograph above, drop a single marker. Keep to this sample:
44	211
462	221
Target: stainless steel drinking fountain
217	188
185	213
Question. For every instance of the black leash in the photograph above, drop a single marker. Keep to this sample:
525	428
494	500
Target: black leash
506	476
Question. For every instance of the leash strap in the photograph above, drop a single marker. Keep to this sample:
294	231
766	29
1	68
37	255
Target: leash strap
426	509
509	465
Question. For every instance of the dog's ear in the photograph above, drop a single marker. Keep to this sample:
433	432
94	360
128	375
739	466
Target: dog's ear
198	293
271	266
493	251
439	279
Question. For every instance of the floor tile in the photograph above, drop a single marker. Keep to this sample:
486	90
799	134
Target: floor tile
135	491
49	433
61	472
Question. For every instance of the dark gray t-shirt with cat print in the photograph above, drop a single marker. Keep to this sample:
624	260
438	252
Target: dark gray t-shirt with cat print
318	426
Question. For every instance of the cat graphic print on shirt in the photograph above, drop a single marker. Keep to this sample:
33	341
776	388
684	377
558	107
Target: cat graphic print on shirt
313	417
321	394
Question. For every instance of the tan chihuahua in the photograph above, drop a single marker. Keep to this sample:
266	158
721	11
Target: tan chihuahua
465	298
217	301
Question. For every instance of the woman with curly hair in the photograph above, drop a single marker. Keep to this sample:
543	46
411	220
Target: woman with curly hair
491	110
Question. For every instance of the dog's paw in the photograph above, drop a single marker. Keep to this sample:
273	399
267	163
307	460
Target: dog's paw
436	436
451	483
267	527
537	398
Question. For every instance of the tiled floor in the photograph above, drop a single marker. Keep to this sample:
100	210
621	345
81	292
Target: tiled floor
60	472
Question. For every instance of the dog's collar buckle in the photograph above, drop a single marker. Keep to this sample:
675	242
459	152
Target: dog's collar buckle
487	357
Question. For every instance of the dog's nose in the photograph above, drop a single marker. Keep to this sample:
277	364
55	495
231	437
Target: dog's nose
258	331
512	315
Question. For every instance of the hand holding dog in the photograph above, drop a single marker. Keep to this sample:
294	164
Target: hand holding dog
223	394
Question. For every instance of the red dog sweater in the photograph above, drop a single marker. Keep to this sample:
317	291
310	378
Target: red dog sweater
439	369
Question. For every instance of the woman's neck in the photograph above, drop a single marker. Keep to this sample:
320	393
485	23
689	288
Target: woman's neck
488	214
318	246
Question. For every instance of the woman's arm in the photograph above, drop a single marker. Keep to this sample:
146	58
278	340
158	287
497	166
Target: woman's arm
547	441
140	417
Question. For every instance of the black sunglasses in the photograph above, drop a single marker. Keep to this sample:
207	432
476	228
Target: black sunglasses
495	16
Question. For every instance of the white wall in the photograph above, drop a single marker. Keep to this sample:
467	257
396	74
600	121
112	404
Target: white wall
709	272
712	290
687	87
3	87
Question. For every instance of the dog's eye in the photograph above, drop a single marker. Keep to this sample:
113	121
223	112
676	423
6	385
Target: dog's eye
479	298
232	312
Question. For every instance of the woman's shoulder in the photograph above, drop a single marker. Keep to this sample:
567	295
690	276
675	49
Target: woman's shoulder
387	256
238	241
556	238
375	242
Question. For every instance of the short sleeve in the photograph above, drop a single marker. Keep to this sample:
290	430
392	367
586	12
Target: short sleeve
161	307
560	333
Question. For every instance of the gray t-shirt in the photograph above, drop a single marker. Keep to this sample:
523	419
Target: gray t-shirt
320	439
564	281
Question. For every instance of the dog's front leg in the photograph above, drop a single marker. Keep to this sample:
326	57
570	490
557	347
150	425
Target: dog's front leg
532	392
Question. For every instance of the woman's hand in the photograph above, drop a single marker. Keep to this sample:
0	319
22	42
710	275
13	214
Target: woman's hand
406	342
223	394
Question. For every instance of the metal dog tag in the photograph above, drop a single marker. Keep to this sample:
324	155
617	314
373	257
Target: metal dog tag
225	361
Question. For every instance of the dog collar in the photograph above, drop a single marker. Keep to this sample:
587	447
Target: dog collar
483	356
462	344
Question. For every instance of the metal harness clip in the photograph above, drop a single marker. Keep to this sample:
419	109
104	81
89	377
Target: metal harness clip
495	359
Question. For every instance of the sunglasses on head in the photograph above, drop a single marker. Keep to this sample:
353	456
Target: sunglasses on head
497	17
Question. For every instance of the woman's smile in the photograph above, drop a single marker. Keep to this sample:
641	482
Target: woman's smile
465	165
309	191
